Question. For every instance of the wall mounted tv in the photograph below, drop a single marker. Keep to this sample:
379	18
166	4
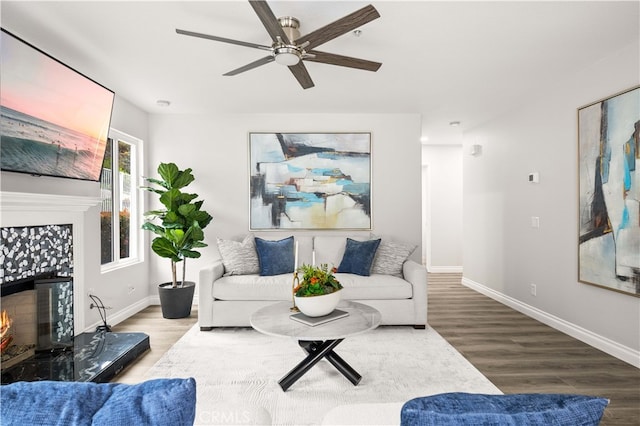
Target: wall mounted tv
54	121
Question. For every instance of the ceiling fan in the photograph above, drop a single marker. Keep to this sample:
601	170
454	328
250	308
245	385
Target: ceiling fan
290	49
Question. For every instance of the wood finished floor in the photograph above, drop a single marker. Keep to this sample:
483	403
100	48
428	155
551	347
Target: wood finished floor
163	333
517	353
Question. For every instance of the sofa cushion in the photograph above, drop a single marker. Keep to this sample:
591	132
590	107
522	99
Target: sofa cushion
460	408
280	287
390	257
157	402
358	257
374	287
239	257
254	287
275	257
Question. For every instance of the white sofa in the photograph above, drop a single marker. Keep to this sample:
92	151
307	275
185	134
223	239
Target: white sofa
229	300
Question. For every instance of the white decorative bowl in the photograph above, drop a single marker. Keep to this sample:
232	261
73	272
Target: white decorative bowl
318	306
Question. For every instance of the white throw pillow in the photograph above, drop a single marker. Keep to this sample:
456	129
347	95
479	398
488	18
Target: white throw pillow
239	258
390	257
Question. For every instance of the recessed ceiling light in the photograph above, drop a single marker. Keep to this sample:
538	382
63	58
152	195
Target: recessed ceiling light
163	103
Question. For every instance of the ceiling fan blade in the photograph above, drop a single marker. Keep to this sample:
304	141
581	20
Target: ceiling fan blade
252	65
301	74
343	61
269	20
222	39
339	27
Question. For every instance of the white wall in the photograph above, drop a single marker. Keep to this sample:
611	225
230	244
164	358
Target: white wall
443	206
216	148
113	286
503	254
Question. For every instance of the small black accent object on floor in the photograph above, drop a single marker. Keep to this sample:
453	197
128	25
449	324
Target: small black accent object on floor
96	357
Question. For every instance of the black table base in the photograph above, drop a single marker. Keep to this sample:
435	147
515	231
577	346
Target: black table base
316	351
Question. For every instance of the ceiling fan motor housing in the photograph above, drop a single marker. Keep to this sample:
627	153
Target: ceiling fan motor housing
290	27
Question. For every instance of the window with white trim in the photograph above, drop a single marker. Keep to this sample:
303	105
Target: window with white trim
119	223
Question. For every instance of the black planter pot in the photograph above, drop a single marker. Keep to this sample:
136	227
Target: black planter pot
176	302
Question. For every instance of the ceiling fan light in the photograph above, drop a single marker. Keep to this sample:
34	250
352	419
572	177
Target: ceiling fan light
287	56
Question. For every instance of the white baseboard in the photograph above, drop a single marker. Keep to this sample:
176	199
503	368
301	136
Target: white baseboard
444	269
118	317
129	311
615	349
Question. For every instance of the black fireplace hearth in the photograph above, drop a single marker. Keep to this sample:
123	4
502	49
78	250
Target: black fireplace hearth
96	357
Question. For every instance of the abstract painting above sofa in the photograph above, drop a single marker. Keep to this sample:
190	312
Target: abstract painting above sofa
310	180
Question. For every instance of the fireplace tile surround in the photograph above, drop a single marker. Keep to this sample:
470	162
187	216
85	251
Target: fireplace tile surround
29	251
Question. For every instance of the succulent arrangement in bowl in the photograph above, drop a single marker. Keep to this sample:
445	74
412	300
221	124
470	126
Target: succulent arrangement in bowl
317	281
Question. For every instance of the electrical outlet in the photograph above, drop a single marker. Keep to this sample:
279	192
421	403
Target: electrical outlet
533	290
131	289
90	291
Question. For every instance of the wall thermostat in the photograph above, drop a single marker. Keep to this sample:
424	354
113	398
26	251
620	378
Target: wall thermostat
534	177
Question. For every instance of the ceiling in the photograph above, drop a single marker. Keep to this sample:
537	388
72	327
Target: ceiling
449	61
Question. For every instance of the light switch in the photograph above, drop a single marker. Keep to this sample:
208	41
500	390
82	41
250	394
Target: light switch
534	177
535	222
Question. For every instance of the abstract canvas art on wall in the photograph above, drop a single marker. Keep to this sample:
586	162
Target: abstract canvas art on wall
609	216
310	181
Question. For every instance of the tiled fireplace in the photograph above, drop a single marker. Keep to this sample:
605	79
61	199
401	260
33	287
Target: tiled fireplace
27	255
42	282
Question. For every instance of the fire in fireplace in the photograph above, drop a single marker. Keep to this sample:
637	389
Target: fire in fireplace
12	354
5	326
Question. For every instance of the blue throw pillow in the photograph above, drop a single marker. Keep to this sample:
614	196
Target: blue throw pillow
458	408
358	257
275	257
160	402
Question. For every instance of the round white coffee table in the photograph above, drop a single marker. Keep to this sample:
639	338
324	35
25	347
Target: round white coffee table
318	341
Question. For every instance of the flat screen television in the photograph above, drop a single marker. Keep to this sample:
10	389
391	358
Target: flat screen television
54	121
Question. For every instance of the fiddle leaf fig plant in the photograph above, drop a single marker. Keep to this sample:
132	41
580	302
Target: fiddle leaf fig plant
182	219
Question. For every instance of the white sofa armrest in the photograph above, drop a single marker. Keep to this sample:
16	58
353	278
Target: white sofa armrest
416	274
207	276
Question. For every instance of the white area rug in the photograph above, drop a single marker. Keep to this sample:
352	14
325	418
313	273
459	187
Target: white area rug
237	372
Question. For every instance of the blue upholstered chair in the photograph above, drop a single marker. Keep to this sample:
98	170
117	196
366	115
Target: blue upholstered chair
170	402
518	409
